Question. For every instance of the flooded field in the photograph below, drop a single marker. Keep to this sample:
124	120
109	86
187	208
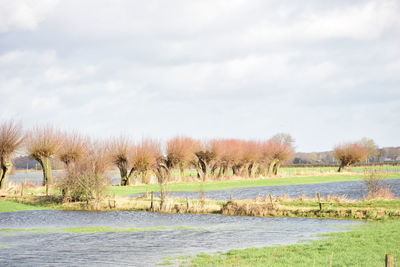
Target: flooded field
352	190
53	240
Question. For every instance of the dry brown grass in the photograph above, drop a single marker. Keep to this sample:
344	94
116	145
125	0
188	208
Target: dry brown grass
278	208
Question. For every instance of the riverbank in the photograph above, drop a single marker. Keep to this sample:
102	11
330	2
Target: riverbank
329	207
364	245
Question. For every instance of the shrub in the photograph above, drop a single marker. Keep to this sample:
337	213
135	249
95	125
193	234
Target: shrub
85	180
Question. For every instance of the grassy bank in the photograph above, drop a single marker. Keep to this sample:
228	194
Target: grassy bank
332	207
231	184
365	246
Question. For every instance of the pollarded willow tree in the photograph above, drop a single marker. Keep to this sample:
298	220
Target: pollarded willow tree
73	147
251	157
145	157
205	159
42	143
349	154
282	150
181	153
121	150
11	138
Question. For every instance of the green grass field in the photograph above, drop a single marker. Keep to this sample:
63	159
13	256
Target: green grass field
230	184
10	206
315	170
366	245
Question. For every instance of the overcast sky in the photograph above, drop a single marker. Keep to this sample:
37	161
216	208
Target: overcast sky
323	71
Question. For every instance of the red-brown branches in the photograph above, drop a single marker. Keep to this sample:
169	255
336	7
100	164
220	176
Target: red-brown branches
85	180
120	152
11	138
181	152
275	152
42	142
145	156
73	147
349	154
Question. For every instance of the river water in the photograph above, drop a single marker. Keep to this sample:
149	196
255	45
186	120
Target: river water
204	233
351	190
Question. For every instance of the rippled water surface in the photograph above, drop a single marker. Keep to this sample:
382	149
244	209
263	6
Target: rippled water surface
199	233
352	190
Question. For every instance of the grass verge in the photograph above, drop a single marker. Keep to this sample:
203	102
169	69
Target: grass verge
366	246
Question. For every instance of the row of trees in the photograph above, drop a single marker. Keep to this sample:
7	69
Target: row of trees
210	159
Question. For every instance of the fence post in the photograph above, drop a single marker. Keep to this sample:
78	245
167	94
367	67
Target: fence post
389	260
319	201
151	203
22	189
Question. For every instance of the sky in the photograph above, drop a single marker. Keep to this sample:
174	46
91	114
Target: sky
325	72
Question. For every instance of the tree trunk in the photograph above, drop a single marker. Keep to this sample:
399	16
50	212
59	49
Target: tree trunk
251	169
342	166
214	170
181	171
237	169
276	167
203	170
123	170
271	166
45	162
5	167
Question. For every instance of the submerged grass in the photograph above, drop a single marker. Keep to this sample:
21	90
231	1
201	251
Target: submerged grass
96	229
366	246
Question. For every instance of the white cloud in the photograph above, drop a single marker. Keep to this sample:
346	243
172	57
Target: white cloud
205	68
359	22
23	14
